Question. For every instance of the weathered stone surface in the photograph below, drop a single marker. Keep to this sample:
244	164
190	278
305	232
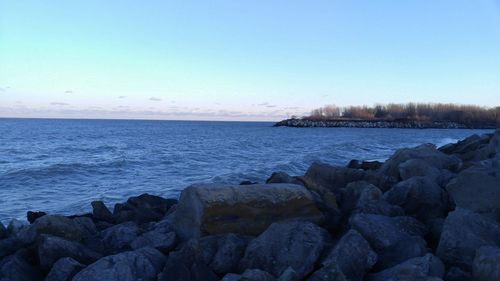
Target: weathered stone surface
289	275
363	197
60	226
143	208
64	270
463	233
52	248
388	236
33	216
164	242
333	178
486	265
417	168
420	268
421	197
87	226
478	189
245	209
330	272
100	212
118	238
17	268
353	256
296	244
282	177
425	152
256	275
223	252
142	264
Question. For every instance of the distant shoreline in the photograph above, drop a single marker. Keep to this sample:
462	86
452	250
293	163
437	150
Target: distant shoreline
395	124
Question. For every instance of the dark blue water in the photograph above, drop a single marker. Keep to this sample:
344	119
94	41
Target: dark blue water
59	166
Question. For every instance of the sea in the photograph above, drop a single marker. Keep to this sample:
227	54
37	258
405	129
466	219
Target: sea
59	166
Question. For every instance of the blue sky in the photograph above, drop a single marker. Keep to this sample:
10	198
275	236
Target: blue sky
242	60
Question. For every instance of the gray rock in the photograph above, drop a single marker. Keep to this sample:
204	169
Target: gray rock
60	226
425	152
64	270
282	177
164	242
296	244
100	212
477	189
363	197
119	238
231	277
330	272
142	209
364	165
87	225
388	236
353	256
52	248
245	209
19	236
420	268
142	264
223	252
33	216
256	275
17	268
421	197
486	265
463	233
417	168
289	275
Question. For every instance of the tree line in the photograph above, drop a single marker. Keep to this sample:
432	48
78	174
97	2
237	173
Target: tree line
423	112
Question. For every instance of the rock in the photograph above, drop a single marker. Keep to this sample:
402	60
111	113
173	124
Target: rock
282	177
334	178
64	270
223	252
289	275
463	233
478	189
60	226
394	239
249	275
164	242
247	182
18	236
33	216
363	197
457	274
293	244
425	152
142	264
364	165
231	277
17	268
353	256
417	168
52	248
100	212
142	209
468	144
330	272
87	226
3	231
486	265
419	268
217	209
420	197
188	264
119	238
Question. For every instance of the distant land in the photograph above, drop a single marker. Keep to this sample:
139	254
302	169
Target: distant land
409	115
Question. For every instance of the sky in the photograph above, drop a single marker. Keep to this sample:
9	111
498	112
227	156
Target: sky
242	60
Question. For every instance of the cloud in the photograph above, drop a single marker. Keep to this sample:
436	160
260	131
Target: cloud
122	97
270	106
59	103
2	89
68	92
154	99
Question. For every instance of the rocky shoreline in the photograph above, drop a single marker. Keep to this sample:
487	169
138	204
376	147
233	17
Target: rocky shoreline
406	124
424	214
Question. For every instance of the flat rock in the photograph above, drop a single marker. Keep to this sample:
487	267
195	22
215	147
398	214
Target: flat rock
60	226
245	209
463	233
420	268
294	244
52	248
142	264
64	270
486	265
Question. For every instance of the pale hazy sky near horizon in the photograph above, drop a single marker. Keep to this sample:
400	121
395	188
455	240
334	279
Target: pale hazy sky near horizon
242	60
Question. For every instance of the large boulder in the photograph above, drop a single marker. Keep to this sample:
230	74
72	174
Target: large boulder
295	244
60	226
224	252
419	268
64	270
52	248
17	268
463	233
142	264
477	188
420	197
394	239
333	178
244	209
417	168
424	152
100	212
142	209
119	238
353	256
486	265
162	241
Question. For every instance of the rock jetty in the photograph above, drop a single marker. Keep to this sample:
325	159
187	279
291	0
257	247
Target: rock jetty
398	124
426	213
